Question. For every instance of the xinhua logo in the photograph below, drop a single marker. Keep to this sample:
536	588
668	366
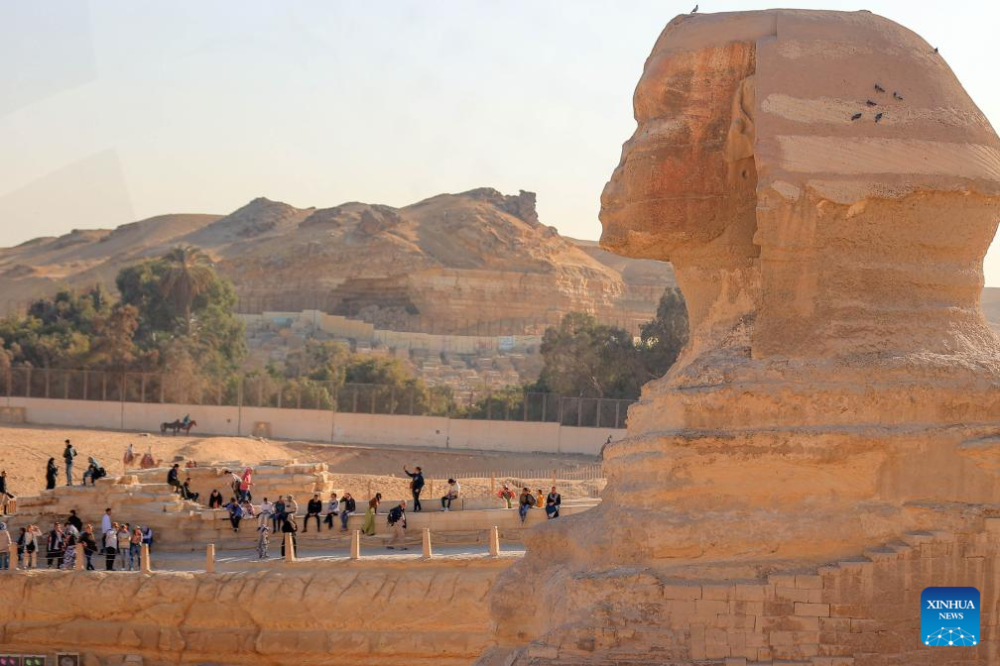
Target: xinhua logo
949	616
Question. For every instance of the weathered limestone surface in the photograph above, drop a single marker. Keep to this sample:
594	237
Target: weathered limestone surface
381	613
841	388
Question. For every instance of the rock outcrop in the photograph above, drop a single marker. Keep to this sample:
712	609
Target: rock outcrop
477	263
841	387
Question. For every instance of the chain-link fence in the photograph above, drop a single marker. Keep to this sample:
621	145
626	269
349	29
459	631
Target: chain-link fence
265	391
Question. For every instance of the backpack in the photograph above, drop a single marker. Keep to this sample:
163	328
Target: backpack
395	515
69	454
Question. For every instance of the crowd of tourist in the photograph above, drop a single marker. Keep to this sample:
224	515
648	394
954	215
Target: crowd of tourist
120	544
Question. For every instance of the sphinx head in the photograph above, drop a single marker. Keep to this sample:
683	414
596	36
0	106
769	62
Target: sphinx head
812	172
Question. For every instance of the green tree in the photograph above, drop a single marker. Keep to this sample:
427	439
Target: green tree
662	338
586	358
188	274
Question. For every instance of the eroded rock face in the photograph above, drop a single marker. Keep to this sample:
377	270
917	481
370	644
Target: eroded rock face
841	386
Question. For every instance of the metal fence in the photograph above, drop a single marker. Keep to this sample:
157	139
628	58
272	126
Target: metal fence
264	391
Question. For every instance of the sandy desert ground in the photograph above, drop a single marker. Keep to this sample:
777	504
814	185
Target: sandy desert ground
24	451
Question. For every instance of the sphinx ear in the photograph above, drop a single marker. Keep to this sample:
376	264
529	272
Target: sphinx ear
742	133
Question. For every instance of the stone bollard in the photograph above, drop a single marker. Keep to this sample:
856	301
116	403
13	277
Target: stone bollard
12	555
289	548
494	542
356	545
210	558
426	542
144	564
81	558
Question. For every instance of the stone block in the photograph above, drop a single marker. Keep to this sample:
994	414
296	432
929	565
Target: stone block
809	582
682	592
746	592
817	610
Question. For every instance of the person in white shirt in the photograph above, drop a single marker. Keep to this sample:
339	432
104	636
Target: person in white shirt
110	546
332	509
106	521
451	495
266	512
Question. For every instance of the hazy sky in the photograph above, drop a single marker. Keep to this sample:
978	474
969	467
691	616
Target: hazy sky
112	111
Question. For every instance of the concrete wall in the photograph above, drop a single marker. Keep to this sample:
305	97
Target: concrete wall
324	426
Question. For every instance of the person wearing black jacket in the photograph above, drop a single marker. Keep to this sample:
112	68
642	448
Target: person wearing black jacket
215	500
173	478
68	454
89	545
397	522
74	520
552	503
313	509
348	507
416	485
51	473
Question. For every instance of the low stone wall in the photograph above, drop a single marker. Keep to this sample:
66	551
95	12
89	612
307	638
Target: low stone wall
351	614
322	426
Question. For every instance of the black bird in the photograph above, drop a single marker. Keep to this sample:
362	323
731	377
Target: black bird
879	88
935	49
856	116
695	10
878	117
871	103
897	95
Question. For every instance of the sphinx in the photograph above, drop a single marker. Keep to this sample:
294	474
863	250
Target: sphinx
826	191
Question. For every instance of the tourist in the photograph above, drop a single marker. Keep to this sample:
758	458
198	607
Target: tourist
124	540
397	523
289	526
74	520
5	494
313	509
51	474
416	485
248	511
22	544
215	500
89	545
5	544
106	521
540	498
147	537
135	550
173	478
129	457
69	553
526	501
246	481
552	503
235	514
332	509
186	491
110	547
68	454
94	471
507	495
54	546
451	495
349	507
234	482
266	512
291	506
263	534
279	514
29	544
369	525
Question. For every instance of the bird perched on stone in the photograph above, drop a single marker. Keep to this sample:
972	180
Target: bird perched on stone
879	88
856	116
695	10
871	103
897	95
878	116
935	49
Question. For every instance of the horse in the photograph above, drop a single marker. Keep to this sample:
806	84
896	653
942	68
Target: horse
177	427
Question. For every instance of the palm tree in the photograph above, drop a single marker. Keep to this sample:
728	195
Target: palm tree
189	273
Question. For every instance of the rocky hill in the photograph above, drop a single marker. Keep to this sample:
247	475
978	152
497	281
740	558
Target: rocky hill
478	262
